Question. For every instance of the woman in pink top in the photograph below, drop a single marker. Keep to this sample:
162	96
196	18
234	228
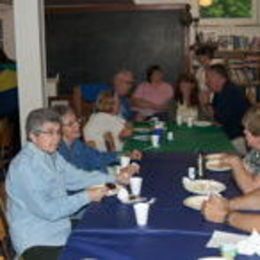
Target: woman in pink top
152	97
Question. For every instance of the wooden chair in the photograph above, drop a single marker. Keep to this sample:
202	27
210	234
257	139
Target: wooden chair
6	143
82	108
4	234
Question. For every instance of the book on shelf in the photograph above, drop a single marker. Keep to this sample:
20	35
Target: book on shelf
255	43
235	42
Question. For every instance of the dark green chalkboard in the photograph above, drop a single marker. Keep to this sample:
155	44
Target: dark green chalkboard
90	46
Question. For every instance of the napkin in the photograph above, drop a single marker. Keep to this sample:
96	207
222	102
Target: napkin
244	244
220	238
250	245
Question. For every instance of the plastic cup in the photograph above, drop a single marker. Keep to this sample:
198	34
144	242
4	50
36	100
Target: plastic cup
190	122
179	120
124	161
170	136
155	139
136	185
141	213
228	251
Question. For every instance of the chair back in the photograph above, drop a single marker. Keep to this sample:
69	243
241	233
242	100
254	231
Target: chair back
6	143
4	234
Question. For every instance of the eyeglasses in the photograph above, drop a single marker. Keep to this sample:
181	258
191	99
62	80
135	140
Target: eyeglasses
49	132
72	123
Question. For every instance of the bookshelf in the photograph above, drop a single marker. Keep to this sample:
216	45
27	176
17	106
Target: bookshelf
244	68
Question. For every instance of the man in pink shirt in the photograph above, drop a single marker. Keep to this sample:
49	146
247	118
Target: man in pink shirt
152	97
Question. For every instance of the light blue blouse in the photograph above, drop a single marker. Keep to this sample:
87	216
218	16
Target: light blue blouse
38	205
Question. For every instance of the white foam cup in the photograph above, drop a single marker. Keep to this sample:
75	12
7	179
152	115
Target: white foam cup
141	213
155	139
124	161
136	185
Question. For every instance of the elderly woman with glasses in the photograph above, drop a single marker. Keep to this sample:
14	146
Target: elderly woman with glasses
39	205
76	151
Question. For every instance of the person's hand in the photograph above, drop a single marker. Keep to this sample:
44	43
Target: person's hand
132	168
126	132
204	97
124	175
215	209
97	193
232	160
139	117
136	155
159	107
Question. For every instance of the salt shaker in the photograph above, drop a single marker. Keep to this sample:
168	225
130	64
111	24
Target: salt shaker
191	173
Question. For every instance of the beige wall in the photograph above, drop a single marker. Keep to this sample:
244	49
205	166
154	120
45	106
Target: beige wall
6	13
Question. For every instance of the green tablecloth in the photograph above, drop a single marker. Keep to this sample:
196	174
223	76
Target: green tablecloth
195	139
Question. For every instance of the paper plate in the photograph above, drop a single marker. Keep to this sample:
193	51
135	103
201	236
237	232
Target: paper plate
214	156
195	202
142	130
212	258
215	165
143	138
135	200
202	123
203	187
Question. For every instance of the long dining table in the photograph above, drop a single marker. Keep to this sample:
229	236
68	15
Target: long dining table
185	139
108	230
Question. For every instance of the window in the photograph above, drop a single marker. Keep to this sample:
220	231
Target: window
236	11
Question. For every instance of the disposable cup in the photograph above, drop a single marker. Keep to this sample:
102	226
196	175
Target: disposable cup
124	161
190	122
179	120
136	185
155	139
141	213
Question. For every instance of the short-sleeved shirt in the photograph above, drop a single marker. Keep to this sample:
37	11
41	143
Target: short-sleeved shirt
101	123
159	94
252	161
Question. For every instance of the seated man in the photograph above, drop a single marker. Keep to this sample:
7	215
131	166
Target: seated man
229	104
246	172
78	152
122	84
38	205
220	210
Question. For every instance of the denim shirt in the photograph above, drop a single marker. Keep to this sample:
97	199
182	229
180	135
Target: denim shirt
84	157
38	205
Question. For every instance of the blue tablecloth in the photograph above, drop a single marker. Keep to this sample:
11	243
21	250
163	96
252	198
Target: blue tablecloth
108	230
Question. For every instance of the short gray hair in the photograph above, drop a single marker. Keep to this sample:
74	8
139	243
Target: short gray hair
37	118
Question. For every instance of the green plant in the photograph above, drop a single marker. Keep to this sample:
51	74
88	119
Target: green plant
228	9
